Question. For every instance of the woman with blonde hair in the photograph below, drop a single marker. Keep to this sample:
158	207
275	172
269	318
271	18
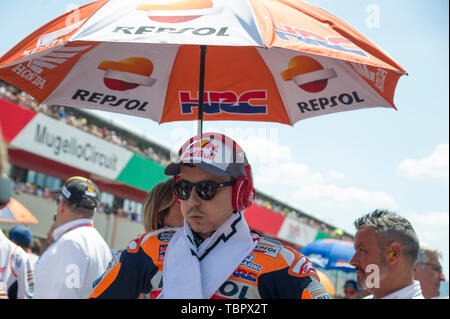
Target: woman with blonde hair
160	208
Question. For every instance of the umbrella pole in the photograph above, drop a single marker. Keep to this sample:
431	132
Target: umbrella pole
201	88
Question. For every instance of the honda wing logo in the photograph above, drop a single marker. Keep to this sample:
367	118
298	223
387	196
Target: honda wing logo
54	38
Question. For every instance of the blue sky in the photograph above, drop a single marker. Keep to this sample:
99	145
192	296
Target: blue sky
340	166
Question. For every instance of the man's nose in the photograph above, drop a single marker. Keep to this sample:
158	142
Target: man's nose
194	199
353	261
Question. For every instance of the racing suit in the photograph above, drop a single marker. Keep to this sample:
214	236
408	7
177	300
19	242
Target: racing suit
16	269
270	271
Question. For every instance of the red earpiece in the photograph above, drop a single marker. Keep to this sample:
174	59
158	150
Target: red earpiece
176	178
243	191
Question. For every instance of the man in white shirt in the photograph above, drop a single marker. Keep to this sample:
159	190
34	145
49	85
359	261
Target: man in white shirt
16	270
386	250
79	254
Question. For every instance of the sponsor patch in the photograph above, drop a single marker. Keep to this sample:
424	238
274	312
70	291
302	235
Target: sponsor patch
321	294
134	245
65	192
302	267
267	249
166	236
248	262
162	252
245	275
115	260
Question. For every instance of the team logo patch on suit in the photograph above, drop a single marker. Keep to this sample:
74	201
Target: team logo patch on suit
115	260
267	249
134	245
166	236
162	252
303	267
248	262
245	275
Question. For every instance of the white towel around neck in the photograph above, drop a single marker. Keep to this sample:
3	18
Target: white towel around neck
197	273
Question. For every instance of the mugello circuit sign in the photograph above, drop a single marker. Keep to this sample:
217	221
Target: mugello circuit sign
60	142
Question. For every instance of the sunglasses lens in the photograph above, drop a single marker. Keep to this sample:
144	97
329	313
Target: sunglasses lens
206	190
182	190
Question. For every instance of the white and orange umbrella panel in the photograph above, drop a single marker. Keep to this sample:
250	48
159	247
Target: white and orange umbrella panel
16	212
267	60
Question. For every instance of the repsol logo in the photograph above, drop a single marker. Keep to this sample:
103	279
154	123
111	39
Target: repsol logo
111	100
206	31
230	289
70	146
328	102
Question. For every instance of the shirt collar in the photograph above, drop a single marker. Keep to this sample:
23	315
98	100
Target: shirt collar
412	291
59	231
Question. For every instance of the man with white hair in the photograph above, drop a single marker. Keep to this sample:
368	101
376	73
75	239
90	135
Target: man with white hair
386	248
428	271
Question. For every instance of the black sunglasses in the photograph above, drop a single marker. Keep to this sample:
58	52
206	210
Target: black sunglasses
206	190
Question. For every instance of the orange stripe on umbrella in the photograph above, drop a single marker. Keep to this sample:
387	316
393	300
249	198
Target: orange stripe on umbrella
15	212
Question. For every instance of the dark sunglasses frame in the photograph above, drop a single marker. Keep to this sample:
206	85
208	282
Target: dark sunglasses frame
206	190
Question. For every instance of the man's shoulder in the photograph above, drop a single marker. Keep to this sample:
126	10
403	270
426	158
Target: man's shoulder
274	255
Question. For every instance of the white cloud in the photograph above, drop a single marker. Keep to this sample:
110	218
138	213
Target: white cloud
278	173
336	175
434	166
432	226
288	174
346	195
262	149
313	191
433	230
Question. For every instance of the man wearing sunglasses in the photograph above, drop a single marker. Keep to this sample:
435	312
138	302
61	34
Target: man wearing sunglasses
214	255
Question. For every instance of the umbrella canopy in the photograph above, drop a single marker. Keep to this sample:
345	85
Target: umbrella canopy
267	60
324	280
15	212
330	254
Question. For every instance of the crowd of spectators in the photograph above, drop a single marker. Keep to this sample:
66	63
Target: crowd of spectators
301	218
65	114
33	189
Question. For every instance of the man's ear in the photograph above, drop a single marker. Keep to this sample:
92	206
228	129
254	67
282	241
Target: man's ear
62	208
393	252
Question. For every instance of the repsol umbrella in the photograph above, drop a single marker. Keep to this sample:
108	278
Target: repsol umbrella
251	60
16	212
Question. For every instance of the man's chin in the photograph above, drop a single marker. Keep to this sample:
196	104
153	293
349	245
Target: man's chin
361	280
200	230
